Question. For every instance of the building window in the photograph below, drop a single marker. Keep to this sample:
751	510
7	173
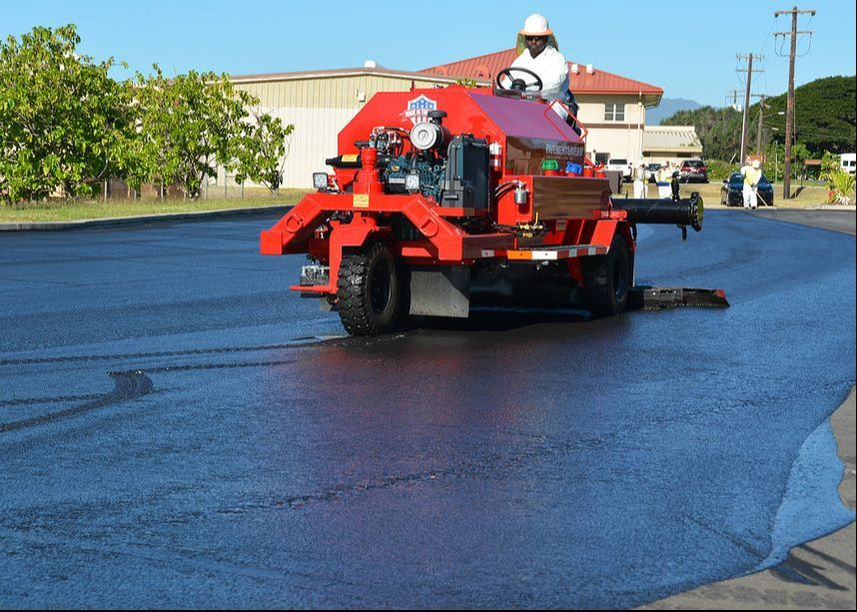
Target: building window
602	158
614	112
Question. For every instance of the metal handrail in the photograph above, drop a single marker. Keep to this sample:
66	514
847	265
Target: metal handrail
583	129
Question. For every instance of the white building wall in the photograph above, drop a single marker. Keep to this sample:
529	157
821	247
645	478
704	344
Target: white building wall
621	139
313	140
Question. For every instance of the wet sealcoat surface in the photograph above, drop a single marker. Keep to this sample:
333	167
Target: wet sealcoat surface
178	429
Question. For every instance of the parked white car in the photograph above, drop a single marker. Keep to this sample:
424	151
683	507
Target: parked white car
620	165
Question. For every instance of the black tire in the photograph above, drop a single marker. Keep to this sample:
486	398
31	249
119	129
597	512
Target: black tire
369	295
607	279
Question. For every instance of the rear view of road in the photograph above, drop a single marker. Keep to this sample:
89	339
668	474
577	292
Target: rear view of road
178	429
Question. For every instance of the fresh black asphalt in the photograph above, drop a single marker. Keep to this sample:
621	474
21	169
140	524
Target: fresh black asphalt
178	429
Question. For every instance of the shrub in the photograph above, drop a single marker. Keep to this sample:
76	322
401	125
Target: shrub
719	170
842	185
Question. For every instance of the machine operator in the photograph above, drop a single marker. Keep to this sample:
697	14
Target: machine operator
538	51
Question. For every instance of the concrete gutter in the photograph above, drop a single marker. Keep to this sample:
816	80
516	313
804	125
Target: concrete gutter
144	219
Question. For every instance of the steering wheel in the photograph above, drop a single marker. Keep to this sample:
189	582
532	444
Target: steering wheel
517	84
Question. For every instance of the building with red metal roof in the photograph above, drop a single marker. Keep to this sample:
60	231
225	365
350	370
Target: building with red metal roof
612	107
583	79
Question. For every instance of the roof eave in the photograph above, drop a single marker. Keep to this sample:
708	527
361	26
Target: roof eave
330	74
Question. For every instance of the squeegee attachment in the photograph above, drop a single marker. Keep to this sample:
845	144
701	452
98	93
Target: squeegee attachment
656	298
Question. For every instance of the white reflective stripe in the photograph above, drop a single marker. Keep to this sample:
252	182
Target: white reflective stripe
544	255
548	253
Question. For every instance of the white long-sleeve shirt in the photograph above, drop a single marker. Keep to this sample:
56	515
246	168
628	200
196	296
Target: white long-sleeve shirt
552	69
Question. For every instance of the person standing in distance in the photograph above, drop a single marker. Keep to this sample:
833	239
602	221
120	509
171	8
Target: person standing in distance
752	173
640	181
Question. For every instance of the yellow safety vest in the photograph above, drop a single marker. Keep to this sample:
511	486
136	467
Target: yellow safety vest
751	175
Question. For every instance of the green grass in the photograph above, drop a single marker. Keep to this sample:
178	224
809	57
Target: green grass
76	210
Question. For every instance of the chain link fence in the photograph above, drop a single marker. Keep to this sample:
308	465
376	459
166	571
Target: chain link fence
223	187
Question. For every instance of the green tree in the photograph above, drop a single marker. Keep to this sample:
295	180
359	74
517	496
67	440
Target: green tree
719	129
62	118
825	115
825	119
261	152
187	126
774	164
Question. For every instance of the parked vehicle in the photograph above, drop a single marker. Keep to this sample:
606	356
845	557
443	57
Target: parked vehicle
623	166
732	191
848	162
694	170
652	171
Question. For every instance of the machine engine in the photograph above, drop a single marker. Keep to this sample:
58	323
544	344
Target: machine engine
451	170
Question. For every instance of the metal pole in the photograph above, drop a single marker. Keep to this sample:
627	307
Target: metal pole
745	122
790	100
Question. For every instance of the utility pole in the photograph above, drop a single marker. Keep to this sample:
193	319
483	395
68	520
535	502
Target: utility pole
790	100
745	122
732	98
759	129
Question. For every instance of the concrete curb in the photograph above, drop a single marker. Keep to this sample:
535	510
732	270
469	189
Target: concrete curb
719	206
818	575
143	219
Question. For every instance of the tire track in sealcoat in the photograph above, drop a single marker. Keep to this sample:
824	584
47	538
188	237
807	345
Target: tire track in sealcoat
128	385
134	384
297	343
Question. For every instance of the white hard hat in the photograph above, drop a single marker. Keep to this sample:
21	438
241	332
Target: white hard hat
536	25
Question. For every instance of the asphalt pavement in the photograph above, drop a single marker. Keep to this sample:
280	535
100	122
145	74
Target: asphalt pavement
178	429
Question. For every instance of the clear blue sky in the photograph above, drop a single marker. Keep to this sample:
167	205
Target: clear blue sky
688	48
